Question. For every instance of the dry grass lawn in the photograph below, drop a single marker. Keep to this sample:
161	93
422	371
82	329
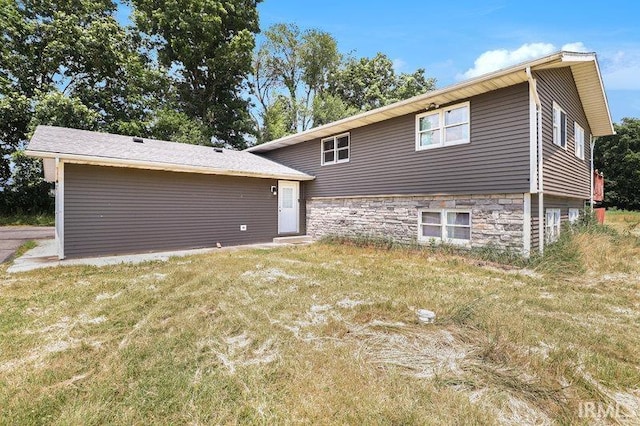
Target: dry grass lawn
327	334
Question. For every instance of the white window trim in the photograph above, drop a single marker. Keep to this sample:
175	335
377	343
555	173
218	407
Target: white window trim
442	127
335	149
552	230
578	129
556	142
443	227
574	215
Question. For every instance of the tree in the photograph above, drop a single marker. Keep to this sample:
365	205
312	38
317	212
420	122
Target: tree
366	84
302	74
39	51
70	63
328	108
290	69
618	157
56	109
27	193
14	121
208	46
171	125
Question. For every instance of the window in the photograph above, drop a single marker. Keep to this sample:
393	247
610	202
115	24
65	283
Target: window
442	127
574	214
552	225
579	137
335	149
559	126
452	226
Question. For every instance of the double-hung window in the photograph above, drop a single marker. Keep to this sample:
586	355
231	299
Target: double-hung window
579	138
552	225
335	149
442	127
452	226
559	126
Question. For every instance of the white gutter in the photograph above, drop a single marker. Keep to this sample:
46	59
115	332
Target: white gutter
137	164
539	157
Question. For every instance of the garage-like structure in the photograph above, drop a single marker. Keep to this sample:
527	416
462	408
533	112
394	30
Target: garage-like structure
119	194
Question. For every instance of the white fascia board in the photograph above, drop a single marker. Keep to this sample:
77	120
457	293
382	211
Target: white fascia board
604	95
136	164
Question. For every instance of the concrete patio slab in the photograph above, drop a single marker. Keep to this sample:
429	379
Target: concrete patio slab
45	256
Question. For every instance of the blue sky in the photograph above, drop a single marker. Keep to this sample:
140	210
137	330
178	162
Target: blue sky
454	40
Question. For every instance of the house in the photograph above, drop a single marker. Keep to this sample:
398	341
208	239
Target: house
117	194
502	159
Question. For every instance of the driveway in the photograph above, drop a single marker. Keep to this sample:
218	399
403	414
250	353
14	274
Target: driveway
12	237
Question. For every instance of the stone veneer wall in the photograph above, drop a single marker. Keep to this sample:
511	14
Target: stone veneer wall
496	219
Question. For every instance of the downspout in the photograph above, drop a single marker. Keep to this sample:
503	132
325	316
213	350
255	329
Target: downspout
592	144
539	186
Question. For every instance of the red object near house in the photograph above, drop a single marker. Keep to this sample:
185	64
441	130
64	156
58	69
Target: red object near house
599	212
598	188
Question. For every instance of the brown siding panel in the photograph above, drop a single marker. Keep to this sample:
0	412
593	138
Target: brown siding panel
384	160
111	210
564	173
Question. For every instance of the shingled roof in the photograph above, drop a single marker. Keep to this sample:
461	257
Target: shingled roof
82	146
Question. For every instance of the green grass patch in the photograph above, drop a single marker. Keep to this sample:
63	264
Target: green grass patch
34	220
326	334
25	248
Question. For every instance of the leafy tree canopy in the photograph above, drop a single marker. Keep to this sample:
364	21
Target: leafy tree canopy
369	83
618	157
300	80
208	45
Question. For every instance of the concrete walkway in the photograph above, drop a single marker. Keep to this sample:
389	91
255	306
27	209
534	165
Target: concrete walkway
45	256
12	237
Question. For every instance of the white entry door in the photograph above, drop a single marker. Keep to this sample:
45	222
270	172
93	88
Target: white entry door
288	196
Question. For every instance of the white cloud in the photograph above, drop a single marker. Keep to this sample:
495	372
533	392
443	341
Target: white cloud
493	60
398	65
578	46
620	70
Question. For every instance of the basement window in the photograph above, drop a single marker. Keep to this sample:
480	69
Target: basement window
574	215
559	126
552	225
335	149
450	226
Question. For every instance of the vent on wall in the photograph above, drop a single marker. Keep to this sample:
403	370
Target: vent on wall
138	140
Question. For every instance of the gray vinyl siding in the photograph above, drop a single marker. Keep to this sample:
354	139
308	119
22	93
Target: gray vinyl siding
384	160
112	210
564	173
